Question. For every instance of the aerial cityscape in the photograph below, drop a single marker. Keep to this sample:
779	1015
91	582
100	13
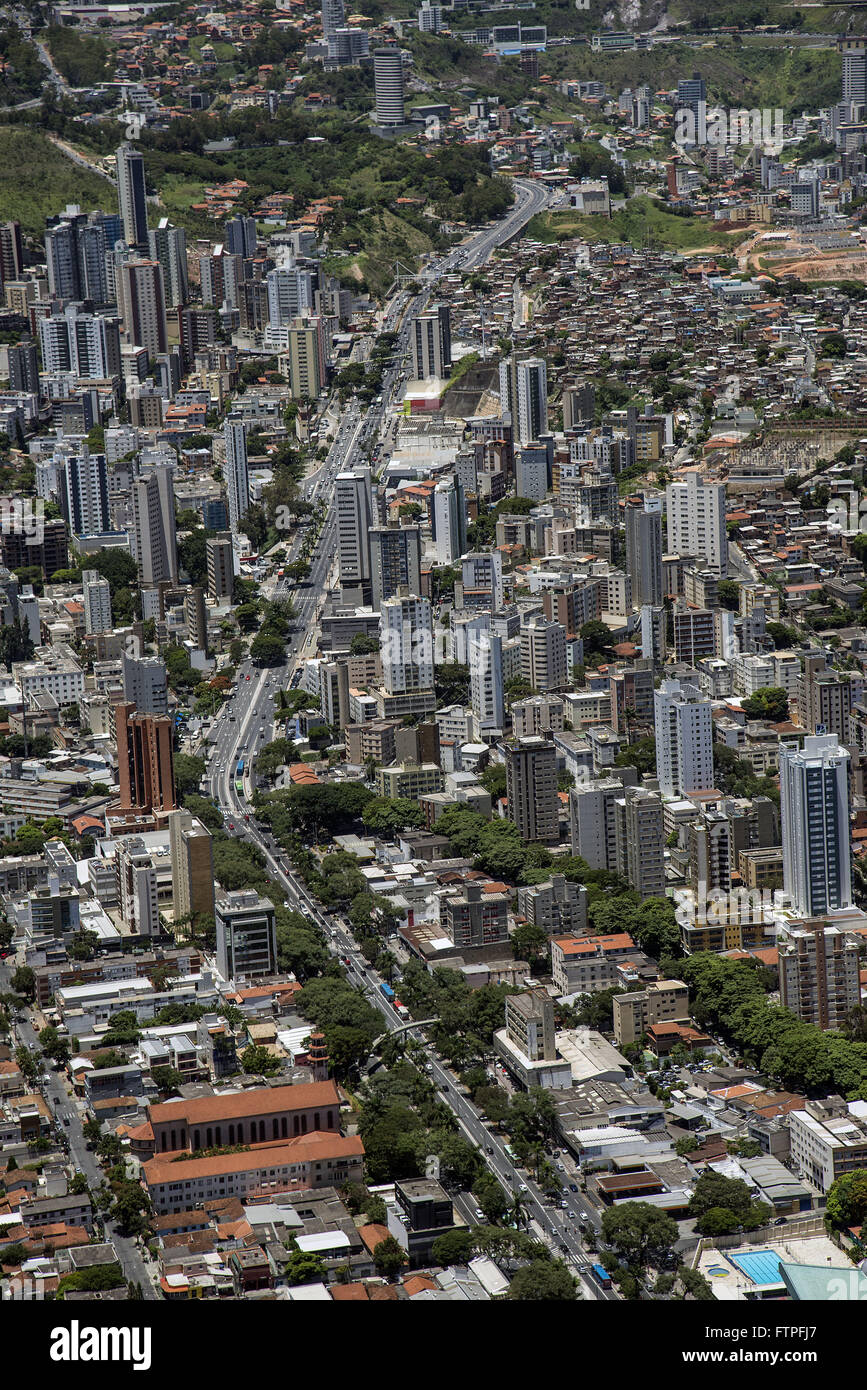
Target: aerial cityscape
433	658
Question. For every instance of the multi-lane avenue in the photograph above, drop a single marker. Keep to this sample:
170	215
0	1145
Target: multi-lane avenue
247	721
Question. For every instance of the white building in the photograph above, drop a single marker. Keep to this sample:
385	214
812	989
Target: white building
696	512
97	602
485	650
684	740
814	806
406	645
531	379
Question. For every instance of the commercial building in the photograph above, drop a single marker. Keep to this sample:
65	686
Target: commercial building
814	804
353	506
388	87
246	935
431	342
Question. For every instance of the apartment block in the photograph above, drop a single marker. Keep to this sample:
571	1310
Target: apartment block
663	1001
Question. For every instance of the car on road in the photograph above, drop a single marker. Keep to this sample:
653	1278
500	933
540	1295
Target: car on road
573	1187
66	1120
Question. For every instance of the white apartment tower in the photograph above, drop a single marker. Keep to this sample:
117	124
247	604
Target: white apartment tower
97	602
696	512
531	380
684	739
406	637
814	806
485	653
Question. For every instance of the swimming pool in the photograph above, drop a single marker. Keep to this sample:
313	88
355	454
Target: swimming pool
761	1266
718	1272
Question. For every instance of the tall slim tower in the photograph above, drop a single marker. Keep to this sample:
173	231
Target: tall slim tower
814	806
388	85
237	476
531	379
132	196
644	549
353	504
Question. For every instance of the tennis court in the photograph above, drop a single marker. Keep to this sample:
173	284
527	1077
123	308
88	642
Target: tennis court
761	1266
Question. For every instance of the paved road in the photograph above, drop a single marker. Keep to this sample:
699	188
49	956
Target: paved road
243	726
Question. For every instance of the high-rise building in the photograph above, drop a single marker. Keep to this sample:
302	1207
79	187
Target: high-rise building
145	766
168	245
132	196
531	788
137	887
11	252
593	823
696	518
75	256
431	340
531	379
196	617
333	16
23	368
430	18
825	697
153	535
304	362
854	75
395	561
97	602
406	644
814	806
388	86
192	852
241	237
82	344
644	549
684	739
290	296
221	566
579	405
819	974
353	504
246	935
485	653
141	302
543	654
145	684
449	521
481	579
640	841
83	493
237	474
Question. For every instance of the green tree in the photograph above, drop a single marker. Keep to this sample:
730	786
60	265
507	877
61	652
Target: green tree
23	981
543	1281
389	1257
847	1200
453	1248
770	702
638	1232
